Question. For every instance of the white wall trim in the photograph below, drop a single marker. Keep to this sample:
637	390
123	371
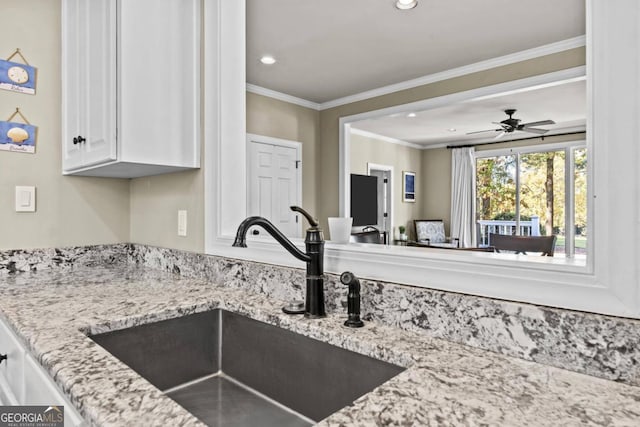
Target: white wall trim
613	91
524	55
275	141
383	138
259	90
210	132
225	118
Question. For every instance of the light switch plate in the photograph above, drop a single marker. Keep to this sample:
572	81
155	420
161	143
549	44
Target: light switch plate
25	198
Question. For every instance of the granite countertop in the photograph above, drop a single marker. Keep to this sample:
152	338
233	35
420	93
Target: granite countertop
445	383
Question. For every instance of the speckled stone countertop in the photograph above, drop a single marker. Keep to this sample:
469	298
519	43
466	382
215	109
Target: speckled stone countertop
445	384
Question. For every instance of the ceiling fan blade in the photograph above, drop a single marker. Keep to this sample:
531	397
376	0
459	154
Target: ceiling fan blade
500	135
540	123
481	131
534	130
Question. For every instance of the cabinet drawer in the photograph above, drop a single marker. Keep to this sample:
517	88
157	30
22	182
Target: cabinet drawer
12	369
41	390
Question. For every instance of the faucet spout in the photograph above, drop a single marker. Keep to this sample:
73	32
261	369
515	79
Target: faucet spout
314	257
241	236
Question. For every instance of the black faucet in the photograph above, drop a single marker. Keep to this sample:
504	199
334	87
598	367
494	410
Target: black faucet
353	300
314	257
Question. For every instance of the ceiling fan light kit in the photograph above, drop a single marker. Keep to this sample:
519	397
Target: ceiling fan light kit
511	125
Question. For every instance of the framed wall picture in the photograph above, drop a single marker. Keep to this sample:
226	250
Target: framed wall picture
18	137
408	186
17	77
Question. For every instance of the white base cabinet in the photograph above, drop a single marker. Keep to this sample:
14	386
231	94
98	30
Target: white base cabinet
24	382
130	87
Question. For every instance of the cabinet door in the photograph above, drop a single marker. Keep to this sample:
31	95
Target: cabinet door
89	82
41	390
11	369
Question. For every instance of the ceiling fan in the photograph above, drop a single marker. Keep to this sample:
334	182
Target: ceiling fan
511	125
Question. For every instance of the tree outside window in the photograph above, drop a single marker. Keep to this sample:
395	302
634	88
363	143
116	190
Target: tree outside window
537	181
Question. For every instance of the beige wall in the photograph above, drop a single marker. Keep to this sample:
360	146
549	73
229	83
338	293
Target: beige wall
371	150
278	119
155	202
436	185
70	210
328	201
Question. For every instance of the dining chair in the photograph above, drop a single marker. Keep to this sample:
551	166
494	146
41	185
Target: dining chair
523	244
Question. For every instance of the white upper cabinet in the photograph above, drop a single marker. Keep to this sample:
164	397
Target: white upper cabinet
131	87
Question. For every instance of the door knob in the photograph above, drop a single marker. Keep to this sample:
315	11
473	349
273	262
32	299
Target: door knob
78	140
3	357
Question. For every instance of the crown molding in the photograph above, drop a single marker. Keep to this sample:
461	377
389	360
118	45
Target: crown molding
513	58
259	90
383	138
524	55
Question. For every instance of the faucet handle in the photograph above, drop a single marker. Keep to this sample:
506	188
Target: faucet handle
312	221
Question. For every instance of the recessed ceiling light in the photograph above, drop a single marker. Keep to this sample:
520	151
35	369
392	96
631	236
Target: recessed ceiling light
406	4
452	129
268	60
411	115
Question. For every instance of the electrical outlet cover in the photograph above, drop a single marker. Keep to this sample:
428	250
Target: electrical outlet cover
182	223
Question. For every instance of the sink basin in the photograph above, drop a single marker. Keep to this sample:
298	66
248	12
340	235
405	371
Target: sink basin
227	369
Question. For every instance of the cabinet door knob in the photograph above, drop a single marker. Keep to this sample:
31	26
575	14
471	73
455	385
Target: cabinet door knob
3	357
78	140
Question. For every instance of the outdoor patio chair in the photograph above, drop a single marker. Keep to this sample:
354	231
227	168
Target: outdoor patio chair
523	244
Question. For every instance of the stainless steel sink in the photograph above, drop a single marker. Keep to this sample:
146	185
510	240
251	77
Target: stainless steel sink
230	370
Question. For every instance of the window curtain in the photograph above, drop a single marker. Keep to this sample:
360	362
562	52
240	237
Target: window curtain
463	175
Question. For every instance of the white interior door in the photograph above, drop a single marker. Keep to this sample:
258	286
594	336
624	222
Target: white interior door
275	173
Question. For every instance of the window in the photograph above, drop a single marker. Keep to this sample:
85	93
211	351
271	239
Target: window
529	191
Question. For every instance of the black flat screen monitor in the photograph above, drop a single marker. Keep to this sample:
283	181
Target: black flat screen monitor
364	199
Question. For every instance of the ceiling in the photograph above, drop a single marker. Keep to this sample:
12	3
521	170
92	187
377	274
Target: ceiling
329	49
564	103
